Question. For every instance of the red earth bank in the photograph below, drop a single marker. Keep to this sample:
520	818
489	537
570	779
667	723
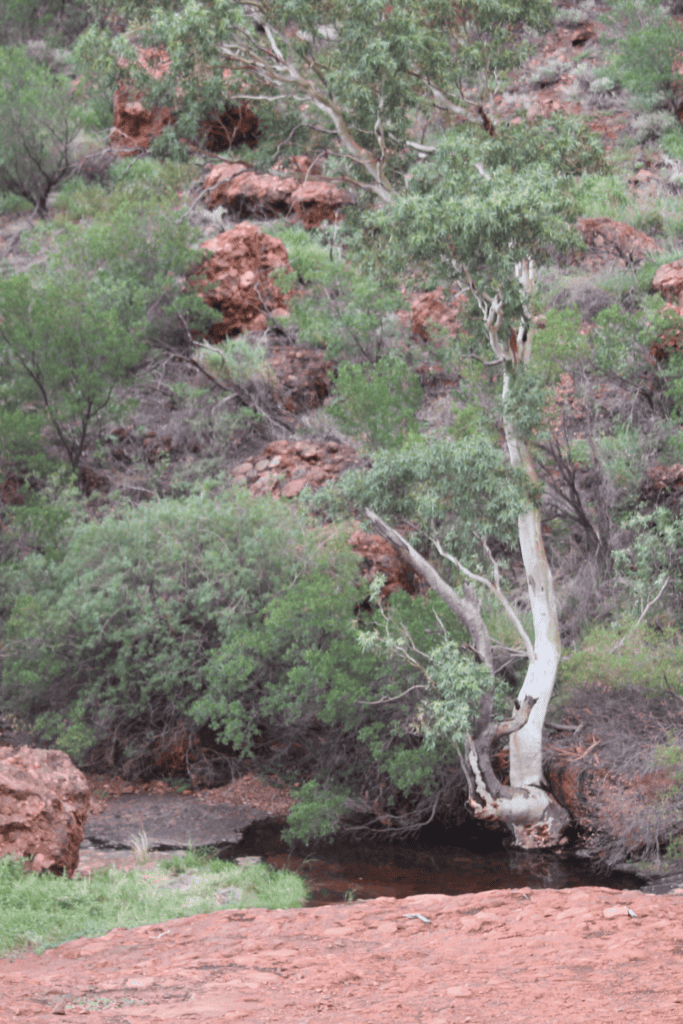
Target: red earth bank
547	956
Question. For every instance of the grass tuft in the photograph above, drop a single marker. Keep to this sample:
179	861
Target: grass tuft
40	911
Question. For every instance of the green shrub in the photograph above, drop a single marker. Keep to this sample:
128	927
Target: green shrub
39	120
72	331
342	307
231	612
650	42
648	659
379	402
652	558
118	636
652	126
64	346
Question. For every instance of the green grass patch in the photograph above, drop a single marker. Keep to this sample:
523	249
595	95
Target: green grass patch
40	911
626	656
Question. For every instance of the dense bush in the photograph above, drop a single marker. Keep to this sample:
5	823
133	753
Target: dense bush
342	307
72	330
236	613
39	120
378	403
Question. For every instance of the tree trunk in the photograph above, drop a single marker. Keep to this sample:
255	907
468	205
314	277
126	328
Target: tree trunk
526	744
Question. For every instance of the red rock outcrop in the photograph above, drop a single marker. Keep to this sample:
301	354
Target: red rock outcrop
135	126
245	193
611	240
668	281
430	308
284	468
380	556
239	269
44	802
524	956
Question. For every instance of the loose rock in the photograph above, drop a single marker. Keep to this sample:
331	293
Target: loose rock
239	265
44	802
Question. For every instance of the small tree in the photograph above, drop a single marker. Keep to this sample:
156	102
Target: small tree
67	351
487	210
39	121
71	332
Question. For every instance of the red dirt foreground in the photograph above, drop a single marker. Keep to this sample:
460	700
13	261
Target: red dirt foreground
535	956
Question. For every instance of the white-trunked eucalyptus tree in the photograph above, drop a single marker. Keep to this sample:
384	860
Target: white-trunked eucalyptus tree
488	219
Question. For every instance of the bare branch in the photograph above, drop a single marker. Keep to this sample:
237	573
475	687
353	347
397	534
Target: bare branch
495	590
467	610
389	700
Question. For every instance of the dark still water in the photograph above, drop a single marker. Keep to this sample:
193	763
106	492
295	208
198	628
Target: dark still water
343	870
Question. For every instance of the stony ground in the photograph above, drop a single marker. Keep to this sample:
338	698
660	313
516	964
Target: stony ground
527	955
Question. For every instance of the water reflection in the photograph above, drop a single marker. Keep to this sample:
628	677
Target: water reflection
365	871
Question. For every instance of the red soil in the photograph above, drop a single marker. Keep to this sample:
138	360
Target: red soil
547	956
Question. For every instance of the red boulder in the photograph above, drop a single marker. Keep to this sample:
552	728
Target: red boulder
44	802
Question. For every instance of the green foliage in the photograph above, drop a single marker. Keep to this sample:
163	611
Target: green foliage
365	67
52	506
156	591
653	556
138	183
66	347
316	813
559	344
620	343
231	612
672	143
651	126
343	308
460	683
525	402
71	332
18	18
378	403
650	42
40	911
39	120
486	204
562	142
21	444
669	756
239	359
58	22
602	195
456	490
623	655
